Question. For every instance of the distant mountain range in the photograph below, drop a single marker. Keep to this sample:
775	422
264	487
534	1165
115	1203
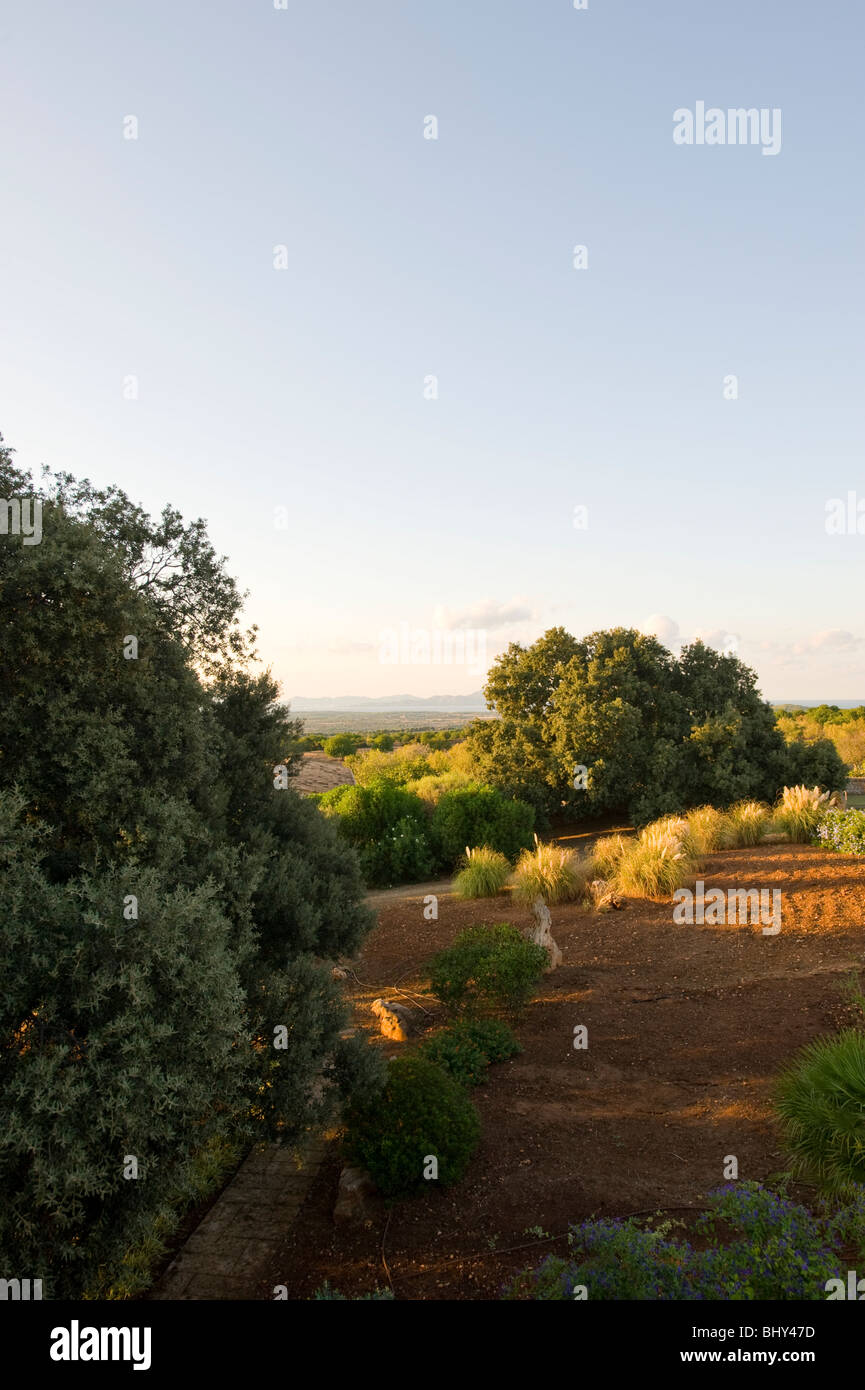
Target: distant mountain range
455	704
814	704
468	704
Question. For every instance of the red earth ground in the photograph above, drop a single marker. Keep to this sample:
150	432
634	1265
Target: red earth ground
687	1028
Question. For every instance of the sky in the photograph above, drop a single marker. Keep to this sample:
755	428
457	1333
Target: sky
310	272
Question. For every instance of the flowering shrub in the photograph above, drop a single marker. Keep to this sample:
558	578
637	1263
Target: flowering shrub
388	827
842	830
778	1250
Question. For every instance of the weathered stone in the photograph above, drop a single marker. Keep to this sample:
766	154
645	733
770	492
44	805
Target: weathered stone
541	933
356	1188
338	973
395	1020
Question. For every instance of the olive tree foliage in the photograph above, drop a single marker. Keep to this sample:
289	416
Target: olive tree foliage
167	904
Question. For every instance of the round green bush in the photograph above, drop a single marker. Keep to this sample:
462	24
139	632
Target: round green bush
421	1112
466	1048
457	1054
488	969
494	1038
478	815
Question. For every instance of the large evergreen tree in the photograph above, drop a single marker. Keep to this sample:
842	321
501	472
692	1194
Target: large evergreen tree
167	902
655	733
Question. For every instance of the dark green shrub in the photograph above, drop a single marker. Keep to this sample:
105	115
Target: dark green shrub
492	1036
821	1103
465	1049
340	745
389	829
118	1038
488	969
479	815
357	1068
421	1112
817	764
457	1054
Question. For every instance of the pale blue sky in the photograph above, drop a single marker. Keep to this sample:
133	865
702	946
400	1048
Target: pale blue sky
303	388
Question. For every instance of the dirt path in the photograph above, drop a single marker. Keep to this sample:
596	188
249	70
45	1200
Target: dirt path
687	1028
382	897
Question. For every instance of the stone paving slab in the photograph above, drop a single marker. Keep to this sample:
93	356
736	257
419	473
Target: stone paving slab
232	1248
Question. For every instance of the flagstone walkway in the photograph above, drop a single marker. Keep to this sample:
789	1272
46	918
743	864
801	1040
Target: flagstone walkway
232	1249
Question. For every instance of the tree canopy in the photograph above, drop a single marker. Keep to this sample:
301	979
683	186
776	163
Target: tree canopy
654	732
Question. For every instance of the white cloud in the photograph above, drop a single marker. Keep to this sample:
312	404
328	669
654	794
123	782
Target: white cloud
835	639
830	647
719	639
487	614
665	629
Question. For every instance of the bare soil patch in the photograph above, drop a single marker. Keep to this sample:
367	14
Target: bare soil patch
687	1026
319	773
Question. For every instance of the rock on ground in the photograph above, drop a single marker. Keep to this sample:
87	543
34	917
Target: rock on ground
353	1201
395	1020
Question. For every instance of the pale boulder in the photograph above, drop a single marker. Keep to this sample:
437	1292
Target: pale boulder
395	1021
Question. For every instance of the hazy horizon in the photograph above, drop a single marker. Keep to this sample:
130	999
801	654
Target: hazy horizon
305	705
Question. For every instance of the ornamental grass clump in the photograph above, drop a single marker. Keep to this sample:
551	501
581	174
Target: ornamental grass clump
484	873
550	872
662	858
821	1106
799	812
608	852
710	829
749	822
